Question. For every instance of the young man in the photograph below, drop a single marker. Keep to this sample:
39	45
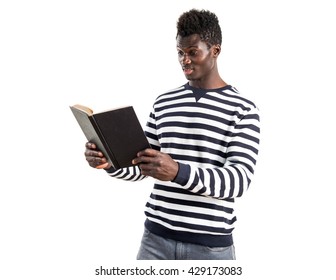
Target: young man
204	137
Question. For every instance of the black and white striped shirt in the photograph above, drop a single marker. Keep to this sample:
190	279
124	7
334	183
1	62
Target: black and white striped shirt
214	136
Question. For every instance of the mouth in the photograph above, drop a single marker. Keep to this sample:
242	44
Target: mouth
187	70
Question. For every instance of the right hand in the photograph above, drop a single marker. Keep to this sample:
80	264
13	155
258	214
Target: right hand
95	158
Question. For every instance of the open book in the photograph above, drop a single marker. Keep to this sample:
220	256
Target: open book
117	133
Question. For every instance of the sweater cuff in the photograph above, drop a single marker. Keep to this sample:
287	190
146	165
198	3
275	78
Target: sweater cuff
111	170
183	174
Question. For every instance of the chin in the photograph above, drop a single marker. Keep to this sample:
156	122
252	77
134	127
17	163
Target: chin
190	78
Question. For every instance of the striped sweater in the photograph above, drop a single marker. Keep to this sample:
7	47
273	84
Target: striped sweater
214	137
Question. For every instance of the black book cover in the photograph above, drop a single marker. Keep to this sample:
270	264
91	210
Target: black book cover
117	133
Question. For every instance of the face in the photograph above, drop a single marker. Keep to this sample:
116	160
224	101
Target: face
198	61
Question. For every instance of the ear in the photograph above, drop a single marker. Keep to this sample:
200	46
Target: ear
216	50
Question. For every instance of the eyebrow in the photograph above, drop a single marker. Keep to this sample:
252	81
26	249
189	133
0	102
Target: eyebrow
187	47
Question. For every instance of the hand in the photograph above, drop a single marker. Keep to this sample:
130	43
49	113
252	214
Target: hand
156	164
94	157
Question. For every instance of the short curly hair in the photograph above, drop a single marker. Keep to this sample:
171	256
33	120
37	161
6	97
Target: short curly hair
201	22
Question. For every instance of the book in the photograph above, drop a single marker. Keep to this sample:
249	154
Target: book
117	132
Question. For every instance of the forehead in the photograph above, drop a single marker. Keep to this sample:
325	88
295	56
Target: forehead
189	42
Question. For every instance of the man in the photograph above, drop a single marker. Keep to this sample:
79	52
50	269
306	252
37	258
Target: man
204	137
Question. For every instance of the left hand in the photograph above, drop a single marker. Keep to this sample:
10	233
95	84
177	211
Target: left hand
156	164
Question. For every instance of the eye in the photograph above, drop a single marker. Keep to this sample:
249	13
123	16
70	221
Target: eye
180	53
193	52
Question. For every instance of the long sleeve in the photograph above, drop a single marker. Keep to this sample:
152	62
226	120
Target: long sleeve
132	173
234	178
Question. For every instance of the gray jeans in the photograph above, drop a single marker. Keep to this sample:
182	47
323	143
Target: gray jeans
154	247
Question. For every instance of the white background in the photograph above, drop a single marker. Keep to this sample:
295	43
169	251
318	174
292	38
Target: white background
60	219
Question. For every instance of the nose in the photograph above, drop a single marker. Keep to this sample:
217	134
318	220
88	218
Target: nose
185	59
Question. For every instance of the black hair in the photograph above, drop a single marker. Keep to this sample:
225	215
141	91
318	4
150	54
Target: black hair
201	22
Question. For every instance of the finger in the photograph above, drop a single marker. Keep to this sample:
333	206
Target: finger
91	145
142	159
147	152
95	161
102	166
145	170
149	172
93	153
92	161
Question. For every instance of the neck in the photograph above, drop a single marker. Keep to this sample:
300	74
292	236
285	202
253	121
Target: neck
211	80
208	84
